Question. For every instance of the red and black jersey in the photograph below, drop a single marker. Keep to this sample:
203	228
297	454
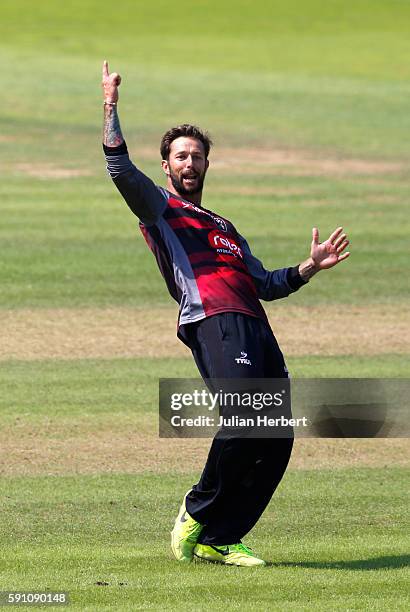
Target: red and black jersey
207	265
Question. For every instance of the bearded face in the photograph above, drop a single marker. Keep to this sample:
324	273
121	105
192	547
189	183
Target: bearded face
186	167
188	182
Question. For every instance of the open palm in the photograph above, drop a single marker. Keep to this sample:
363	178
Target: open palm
330	252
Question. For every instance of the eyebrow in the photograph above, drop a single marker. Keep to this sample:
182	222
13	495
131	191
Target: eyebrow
185	151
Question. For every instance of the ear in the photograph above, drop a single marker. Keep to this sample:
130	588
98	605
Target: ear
165	167
207	164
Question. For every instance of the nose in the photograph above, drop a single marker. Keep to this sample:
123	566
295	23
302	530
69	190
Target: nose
188	161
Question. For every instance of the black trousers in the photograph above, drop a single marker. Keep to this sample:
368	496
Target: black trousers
241	474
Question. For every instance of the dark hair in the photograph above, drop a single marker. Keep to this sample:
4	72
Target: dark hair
190	131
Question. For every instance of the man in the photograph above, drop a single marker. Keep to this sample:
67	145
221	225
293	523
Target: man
210	271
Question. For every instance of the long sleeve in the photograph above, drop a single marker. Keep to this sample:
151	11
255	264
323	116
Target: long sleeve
274	284
145	199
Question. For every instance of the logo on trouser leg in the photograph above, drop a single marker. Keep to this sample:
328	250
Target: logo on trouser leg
243	359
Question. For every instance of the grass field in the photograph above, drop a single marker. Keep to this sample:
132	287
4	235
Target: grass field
307	103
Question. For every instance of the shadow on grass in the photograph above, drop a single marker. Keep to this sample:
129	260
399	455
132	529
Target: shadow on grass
392	562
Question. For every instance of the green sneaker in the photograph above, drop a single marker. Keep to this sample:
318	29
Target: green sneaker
231	554
184	535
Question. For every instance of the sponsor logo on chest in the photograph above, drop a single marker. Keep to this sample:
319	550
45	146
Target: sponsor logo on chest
224	244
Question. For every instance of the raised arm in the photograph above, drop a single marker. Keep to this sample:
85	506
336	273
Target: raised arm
143	197
275	284
112	136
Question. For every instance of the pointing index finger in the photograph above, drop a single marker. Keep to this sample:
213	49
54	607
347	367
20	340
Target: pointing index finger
105	69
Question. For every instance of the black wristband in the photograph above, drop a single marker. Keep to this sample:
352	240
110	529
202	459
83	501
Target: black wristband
120	150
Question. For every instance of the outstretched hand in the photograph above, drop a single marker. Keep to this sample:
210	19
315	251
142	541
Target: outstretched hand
110	84
330	252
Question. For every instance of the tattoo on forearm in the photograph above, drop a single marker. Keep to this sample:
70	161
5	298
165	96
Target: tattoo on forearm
307	269
112	136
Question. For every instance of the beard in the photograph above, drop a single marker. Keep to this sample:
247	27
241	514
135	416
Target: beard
187	191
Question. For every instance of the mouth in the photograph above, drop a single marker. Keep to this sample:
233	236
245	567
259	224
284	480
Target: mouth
190	179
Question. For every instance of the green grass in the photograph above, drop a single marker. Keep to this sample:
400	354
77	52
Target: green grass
118	388
334	540
369	39
329	78
316	75
68	243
